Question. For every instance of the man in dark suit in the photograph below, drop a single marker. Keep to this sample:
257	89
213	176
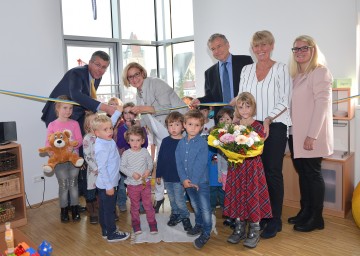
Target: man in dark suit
76	84
214	76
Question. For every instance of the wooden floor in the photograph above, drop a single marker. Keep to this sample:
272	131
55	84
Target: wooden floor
340	237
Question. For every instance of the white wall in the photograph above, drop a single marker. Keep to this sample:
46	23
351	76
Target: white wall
31	62
332	23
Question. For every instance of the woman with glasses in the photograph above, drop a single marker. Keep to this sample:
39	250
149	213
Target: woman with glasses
312	130
154	98
270	83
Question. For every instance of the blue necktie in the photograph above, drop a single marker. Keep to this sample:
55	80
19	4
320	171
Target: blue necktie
226	84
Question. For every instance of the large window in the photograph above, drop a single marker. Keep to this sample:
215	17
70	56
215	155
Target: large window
158	34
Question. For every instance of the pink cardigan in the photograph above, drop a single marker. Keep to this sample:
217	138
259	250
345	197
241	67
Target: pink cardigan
311	113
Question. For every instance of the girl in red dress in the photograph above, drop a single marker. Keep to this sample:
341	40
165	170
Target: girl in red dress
246	195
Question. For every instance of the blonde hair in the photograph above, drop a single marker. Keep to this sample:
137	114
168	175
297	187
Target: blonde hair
58	104
263	36
99	120
116	100
87	123
126	70
196	114
317	57
248	98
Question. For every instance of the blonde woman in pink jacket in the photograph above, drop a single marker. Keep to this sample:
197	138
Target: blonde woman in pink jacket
312	136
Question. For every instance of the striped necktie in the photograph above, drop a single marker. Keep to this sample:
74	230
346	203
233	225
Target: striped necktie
92	89
226	84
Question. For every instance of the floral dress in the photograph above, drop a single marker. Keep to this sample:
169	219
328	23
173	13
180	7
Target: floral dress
89	156
246	194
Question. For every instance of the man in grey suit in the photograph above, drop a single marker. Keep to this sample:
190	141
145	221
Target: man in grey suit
217	80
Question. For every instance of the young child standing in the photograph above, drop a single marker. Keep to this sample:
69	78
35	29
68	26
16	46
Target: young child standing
66	173
191	161
92	168
247	196
224	116
216	192
137	165
108	161
166	169
128	121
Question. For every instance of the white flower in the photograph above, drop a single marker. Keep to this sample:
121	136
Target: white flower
242	127
250	142
237	132
241	139
216	143
255	136
222	130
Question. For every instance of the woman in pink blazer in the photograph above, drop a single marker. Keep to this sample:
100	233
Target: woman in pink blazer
311	137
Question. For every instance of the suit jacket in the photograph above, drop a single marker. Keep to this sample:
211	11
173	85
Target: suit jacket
213	90
158	94
75	84
311	113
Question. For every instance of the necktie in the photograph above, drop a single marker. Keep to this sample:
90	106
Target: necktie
92	89
226	84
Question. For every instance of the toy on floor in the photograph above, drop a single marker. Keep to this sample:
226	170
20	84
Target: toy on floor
356	205
61	151
45	248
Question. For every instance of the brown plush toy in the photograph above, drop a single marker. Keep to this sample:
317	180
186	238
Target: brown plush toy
61	151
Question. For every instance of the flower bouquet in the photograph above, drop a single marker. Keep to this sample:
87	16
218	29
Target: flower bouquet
237	142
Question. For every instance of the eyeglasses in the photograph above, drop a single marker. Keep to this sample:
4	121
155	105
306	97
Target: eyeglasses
301	49
136	75
98	65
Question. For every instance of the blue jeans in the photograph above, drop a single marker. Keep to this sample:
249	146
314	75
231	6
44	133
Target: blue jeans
107	211
67	177
121	192
216	194
175	192
200	202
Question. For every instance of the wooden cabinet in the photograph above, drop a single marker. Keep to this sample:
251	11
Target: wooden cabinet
342	109
338	173
13	171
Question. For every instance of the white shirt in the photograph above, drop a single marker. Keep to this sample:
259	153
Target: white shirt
272	94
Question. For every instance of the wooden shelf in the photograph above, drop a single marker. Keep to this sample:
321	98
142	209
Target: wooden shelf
17	200
338	172
347	106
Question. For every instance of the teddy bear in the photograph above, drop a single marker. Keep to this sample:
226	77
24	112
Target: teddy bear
61	151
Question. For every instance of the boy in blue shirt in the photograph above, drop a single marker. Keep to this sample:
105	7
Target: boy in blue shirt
191	161
108	160
166	169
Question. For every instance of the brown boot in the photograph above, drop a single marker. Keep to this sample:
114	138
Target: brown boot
93	212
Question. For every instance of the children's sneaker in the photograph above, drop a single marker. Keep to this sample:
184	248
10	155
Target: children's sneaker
104	234
201	241
187	224
194	231
123	208
153	228
137	230
118	236
253	236
174	220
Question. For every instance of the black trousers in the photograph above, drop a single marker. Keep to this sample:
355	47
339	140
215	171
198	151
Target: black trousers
272	158
311	182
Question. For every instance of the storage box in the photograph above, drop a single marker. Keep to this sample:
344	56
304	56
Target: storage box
7	161
9	185
7	212
342	83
